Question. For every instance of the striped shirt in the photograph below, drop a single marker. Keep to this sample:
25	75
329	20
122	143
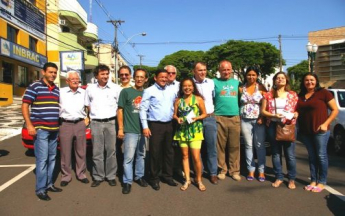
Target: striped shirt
44	101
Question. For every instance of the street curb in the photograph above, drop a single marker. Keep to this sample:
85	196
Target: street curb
14	133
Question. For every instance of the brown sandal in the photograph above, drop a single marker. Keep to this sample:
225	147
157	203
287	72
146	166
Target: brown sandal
200	186
277	183
185	185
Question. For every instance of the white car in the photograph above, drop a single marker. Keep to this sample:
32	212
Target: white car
337	127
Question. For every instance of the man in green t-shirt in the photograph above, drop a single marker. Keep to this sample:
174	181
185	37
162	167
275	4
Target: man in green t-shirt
131	132
226	110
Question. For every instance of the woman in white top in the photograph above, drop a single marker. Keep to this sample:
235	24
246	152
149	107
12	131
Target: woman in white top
279	105
252	126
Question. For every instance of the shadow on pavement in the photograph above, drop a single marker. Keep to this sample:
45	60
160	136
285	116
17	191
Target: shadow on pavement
3	153
335	204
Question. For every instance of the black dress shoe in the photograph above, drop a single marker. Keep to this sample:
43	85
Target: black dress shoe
155	186
95	183
126	188
112	182
43	196
84	180
171	183
141	182
54	189
214	179
64	183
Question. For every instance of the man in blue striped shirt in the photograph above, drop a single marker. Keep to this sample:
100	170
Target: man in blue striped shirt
43	124
156	113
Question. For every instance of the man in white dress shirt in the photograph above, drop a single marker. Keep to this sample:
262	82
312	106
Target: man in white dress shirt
73	124
101	99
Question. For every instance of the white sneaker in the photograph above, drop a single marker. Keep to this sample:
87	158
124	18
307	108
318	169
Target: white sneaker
221	176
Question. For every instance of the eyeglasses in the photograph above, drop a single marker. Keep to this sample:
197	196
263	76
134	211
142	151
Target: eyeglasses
126	75
73	80
172	73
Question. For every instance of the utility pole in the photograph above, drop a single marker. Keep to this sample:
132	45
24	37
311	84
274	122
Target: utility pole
280	53
116	24
141	58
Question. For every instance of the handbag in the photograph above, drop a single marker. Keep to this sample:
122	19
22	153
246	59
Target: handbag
284	132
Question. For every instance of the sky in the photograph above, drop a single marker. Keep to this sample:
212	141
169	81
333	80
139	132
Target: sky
201	24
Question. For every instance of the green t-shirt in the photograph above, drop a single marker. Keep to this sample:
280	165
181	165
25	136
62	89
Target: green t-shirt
226	97
130	100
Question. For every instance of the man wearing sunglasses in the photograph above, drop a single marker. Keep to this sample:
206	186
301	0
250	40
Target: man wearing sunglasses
172	73
125	76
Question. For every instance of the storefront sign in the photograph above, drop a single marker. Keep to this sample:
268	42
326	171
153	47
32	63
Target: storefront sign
72	60
20	53
24	15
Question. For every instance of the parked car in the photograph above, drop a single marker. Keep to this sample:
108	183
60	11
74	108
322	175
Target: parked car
337	127
28	140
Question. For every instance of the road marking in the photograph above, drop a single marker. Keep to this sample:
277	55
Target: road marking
11	134
19	176
335	192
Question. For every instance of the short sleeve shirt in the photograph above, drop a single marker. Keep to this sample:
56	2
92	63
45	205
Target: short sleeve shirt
129	101
226	97
313	111
44	101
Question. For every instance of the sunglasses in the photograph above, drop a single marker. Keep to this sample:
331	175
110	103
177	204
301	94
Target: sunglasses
126	75
173	73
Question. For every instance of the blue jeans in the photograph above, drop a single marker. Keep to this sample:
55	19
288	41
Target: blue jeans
134	144
289	153
317	152
45	152
210	139
254	133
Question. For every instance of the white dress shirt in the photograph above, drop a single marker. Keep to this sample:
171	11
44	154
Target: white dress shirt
206	89
72	104
102	100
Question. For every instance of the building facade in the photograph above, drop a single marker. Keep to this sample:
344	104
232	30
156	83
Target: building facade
329	62
70	39
23	45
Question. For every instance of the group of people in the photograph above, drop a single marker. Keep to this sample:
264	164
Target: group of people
197	112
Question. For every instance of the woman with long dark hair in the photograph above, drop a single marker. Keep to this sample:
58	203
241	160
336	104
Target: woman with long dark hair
313	122
279	106
252	127
189	109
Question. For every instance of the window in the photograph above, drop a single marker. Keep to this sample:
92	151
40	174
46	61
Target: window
65	29
12	34
32	44
22	76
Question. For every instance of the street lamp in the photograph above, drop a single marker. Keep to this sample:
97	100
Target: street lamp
117	50
311	49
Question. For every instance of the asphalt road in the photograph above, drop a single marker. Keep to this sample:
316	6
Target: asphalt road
226	198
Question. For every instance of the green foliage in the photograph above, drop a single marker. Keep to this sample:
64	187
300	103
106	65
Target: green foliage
183	60
296	73
243	54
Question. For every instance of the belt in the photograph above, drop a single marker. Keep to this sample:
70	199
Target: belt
228	116
72	121
105	119
210	115
160	122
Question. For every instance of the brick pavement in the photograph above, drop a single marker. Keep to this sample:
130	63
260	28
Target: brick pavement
11	120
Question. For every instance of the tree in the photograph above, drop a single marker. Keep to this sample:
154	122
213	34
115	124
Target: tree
296	73
242	54
183	60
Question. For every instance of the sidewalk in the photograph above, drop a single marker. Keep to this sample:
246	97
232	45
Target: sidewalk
11	119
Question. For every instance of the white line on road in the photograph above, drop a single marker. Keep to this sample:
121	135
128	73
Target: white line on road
335	192
21	175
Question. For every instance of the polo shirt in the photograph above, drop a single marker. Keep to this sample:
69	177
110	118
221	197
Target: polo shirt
44	103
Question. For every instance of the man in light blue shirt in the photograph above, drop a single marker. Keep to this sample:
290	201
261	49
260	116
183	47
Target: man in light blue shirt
156	113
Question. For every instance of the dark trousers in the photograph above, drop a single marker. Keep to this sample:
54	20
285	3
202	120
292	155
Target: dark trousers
161	150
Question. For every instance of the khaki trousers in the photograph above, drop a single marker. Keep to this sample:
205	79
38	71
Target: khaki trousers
228	144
